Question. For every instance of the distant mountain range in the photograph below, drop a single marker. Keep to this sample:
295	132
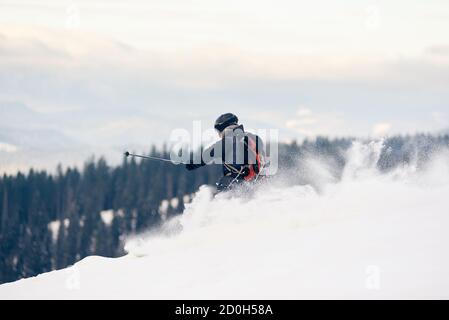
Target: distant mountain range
30	139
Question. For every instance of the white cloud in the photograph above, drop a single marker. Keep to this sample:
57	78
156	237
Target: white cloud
123	125
304	112
8	148
310	124
440	119
438	50
267	25
381	129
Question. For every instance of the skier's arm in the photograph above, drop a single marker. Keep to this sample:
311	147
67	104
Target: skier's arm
211	155
193	166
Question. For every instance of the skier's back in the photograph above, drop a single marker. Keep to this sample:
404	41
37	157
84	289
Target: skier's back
241	153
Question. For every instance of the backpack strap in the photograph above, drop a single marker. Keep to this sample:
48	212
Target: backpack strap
256	167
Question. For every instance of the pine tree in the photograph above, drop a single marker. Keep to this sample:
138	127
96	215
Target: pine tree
4	215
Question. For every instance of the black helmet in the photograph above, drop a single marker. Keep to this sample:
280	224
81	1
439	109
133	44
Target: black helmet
225	120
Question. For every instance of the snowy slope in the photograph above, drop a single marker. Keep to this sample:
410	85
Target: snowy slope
367	236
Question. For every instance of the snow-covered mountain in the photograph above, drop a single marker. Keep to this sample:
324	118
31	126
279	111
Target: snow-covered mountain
43	139
32	139
370	235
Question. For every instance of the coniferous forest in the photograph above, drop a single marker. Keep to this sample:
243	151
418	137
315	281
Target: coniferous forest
50	221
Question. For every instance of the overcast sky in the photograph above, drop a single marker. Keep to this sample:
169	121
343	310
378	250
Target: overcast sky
128	72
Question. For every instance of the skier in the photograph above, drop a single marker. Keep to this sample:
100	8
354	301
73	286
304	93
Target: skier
241	153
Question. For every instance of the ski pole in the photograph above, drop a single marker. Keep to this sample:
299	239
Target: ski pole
127	154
